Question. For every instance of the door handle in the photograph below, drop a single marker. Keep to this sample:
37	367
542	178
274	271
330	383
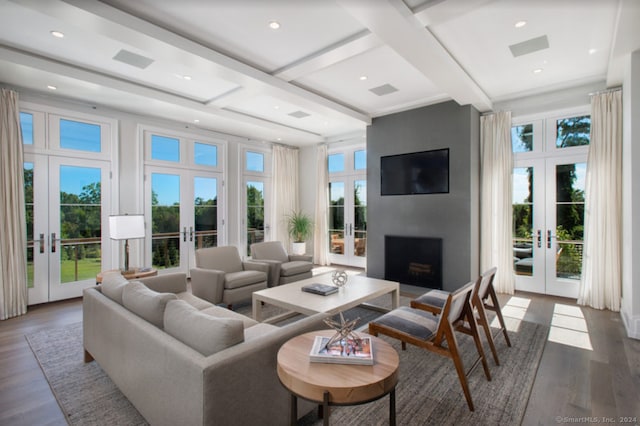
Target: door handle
548	238
41	241
184	234
539	238
351	229
191	233
53	242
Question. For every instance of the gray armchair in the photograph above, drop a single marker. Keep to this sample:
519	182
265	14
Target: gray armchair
220	276
283	268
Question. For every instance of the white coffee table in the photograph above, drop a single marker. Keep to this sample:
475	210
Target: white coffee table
358	290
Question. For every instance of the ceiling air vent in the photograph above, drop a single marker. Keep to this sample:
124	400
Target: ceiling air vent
529	46
385	89
299	114
133	59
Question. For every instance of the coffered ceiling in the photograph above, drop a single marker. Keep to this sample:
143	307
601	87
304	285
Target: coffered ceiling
328	68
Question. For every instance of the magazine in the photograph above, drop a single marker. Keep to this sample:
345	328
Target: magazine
344	351
322	289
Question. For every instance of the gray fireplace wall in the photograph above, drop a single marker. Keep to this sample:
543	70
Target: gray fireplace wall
454	217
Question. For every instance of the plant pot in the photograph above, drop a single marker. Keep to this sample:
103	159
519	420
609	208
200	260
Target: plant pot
298	248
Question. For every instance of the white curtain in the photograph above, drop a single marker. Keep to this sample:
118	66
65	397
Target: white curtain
321	231
496	168
285	191
13	234
600	286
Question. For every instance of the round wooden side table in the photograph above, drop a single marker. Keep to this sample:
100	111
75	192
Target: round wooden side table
337	384
135	273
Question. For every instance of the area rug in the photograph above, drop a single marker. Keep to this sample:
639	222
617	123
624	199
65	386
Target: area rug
428	391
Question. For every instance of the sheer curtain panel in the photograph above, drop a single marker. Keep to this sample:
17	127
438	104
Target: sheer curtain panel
285	191
321	231
600	286
13	234
496	218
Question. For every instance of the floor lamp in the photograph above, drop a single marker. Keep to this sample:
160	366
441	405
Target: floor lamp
126	227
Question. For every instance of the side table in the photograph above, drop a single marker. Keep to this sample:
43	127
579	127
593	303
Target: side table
135	273
337	384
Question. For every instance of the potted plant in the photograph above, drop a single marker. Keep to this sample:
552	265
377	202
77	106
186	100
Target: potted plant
300	228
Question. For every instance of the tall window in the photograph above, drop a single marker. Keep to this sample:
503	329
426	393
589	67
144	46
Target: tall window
257	181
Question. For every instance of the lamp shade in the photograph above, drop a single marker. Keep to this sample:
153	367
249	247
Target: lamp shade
124	227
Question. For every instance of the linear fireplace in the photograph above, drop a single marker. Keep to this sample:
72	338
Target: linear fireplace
413	260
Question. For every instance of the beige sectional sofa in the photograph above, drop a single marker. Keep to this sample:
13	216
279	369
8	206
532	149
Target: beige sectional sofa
181	360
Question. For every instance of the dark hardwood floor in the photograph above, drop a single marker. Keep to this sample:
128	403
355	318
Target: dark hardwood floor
573	384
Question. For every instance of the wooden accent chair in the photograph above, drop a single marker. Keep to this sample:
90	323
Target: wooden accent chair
435	333
433	302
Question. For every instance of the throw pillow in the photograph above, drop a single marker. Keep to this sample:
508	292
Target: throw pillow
113	284
204	333
146	303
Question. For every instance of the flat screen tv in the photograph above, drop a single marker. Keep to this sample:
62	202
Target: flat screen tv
425	172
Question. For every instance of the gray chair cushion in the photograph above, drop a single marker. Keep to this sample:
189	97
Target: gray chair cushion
113	285
243	278
414	322
146	303
225	258
435	298
272	250
204	333
294	268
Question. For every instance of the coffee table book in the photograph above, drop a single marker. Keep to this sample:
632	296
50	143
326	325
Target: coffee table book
318	288
344	351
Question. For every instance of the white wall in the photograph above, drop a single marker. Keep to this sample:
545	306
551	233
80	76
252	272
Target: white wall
631	196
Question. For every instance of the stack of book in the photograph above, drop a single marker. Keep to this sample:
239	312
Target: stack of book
342	351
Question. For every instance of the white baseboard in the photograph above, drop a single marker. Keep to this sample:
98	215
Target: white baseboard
631	324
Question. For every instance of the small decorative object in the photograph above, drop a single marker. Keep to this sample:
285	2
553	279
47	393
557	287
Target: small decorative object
339	278
300	228
344	329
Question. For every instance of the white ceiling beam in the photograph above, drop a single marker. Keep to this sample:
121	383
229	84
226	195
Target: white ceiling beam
626	39
345	49
443	11
395	25
108	21
17	56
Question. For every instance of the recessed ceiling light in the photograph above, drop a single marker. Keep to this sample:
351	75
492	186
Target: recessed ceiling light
276	107
520	24
57	34
187	77
274	25
592	51
363	77
196	121
50	87
537	71
279	139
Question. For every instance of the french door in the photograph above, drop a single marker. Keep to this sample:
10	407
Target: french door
548	217
348	220
184	215
67	203
256	221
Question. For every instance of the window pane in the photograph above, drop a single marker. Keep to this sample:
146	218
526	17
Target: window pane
360	160
255	162
204	154
165	220
28	204
570	187
523	220
574	131
79	136
255	214
164	148
336	163
206	212
360	218
336	217
26	124
80	223
522	138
